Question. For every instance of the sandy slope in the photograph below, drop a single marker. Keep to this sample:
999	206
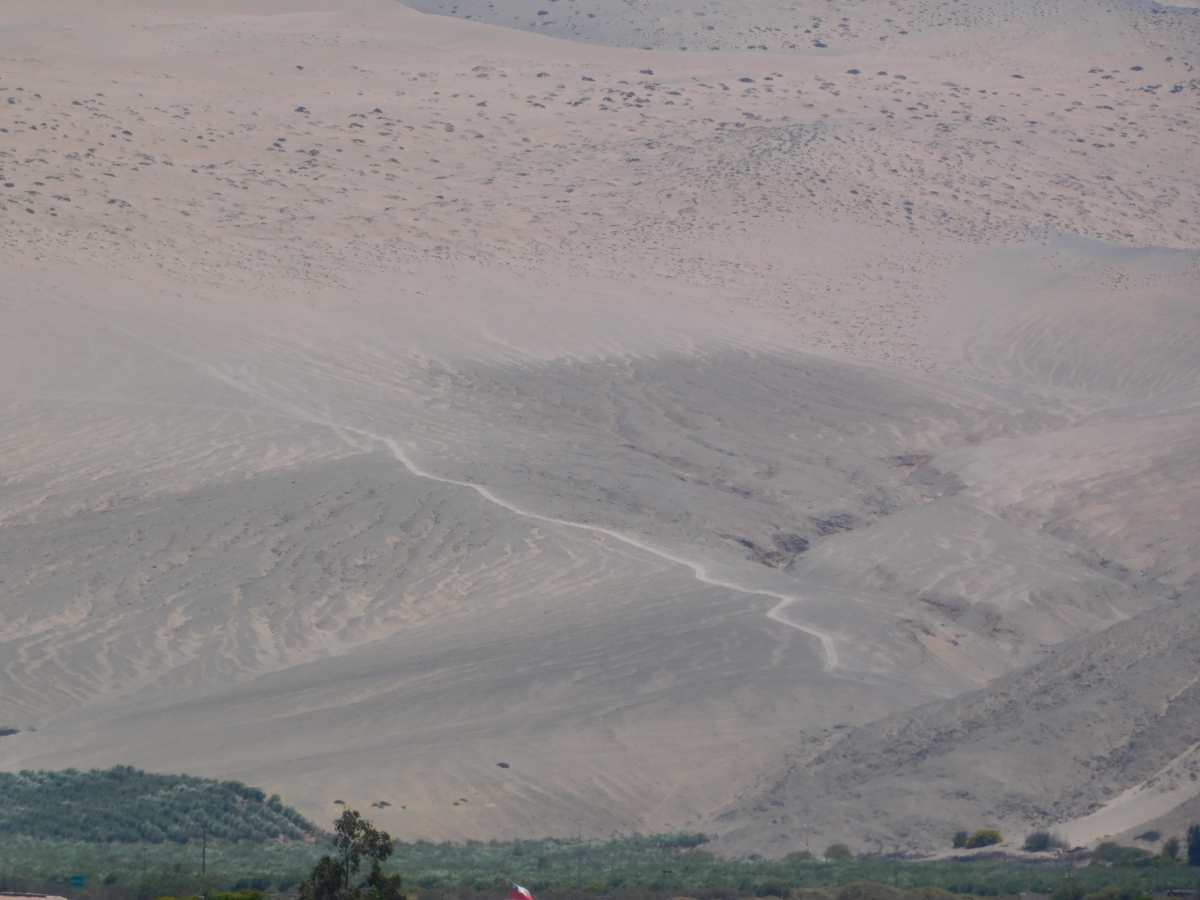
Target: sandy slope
1039	746
386	396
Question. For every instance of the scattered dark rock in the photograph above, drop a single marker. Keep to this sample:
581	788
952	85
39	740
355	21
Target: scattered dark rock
791	543
787	547
910	460
835	524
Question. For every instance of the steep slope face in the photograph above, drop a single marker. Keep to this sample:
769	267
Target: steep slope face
1099	739
1055	742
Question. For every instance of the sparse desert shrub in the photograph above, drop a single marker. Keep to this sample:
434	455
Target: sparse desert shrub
798	856
960	839
1037	841
984	837
838	852
1149	837
869	890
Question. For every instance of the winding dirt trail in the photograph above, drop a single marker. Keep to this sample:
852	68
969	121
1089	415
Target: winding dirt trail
700	570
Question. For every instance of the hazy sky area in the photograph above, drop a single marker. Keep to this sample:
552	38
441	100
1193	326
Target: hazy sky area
772	420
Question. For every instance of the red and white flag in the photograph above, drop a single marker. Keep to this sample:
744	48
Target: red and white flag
516	892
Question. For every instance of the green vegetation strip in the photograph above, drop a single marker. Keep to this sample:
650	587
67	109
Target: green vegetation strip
132	835
663	865
126	805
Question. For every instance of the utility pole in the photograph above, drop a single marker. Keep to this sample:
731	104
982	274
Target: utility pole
579	862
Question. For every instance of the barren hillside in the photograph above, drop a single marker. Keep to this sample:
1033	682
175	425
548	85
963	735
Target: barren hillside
722	438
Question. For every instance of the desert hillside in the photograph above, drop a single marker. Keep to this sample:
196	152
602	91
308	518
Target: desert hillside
774	421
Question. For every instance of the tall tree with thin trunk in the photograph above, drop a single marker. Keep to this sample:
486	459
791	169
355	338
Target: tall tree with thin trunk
356	841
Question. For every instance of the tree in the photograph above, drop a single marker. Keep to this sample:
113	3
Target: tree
1193	845
960	839
325	882
383	887
838	852
1170	849
356	840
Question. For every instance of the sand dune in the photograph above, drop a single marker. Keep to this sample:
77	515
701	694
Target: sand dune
386	395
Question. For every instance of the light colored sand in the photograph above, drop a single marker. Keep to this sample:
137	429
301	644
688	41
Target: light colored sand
387	395
1168	788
